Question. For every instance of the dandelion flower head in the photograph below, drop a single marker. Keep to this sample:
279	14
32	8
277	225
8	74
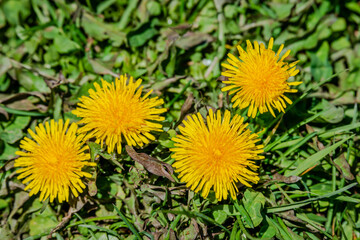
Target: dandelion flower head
117	110
217	154
53	160
259	79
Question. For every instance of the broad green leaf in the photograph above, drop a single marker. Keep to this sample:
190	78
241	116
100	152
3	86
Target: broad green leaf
141	35
3	203
321	68
189	233
20	122
65	45
254	203
339	25
6	234
219	216
99	30
5	65
353	6
7	151
32	82
282	10
340	43
14	10
43	222
11	136
153	7
95	149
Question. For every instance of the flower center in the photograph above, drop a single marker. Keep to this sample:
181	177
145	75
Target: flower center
218	149
217	153
265	77
120	118
55	158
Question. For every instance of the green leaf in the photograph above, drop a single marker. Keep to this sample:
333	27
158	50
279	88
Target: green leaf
299	204
5	65
314	159
101	229
245	215
42	223
267	232
64	45
32	82
198	215
58	107
2	19
153	7
344	167
340	44
219	216
7	151
330	113
282	10
170	67
95	149
6	234
3	204
11	136
126	16
353	6
189	233
99	30
141	35
104	5
254	203
4	82
14	10
20	122
339	25
339	130
130	226
321	68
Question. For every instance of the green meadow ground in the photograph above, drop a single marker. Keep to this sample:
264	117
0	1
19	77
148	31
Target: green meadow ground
51	52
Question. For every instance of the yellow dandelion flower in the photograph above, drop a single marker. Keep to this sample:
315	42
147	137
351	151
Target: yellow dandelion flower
259	78
115	110
52	162
217	154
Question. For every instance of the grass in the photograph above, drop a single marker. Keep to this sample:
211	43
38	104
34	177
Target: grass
52	52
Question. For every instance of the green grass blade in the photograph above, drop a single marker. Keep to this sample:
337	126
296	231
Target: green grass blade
102	229
303	217
277	226
338	130
130	226
90	230
22	112
283	137
300	143
198	215
93	219
38	236
308	201
313	159
244	213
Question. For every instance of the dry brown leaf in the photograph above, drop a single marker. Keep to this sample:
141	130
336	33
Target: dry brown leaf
290	179
151	164
6	99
